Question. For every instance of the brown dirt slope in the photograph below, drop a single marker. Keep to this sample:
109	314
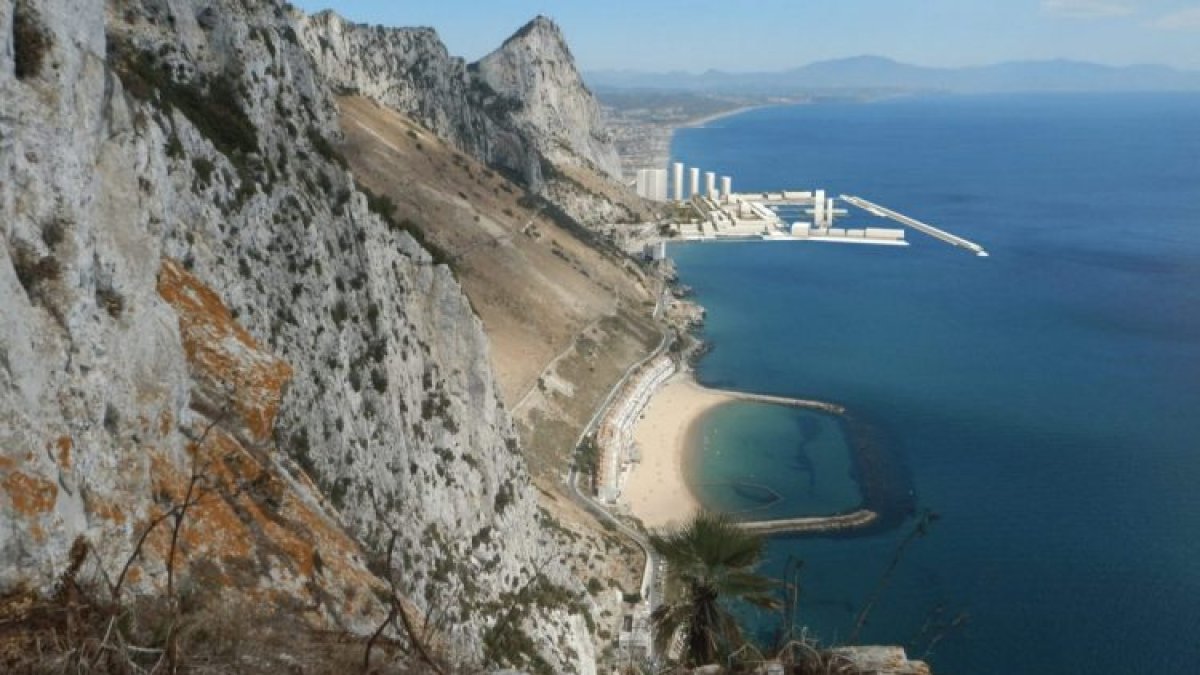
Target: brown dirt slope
534	284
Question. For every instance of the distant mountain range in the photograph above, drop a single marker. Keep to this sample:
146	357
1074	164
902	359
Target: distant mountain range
878	73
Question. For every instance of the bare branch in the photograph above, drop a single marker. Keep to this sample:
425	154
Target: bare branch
920	529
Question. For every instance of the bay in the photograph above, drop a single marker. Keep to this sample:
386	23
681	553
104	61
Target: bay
1044	400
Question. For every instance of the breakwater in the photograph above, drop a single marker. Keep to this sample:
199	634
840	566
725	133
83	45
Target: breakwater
888	496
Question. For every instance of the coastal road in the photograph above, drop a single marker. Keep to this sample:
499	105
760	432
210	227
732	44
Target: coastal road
649	589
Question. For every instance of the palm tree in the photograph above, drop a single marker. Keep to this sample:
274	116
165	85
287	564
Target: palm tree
709	562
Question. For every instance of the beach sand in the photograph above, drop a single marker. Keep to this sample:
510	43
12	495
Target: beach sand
656	490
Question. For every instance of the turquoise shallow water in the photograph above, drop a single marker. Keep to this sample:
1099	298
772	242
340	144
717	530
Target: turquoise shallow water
1044	401
764	461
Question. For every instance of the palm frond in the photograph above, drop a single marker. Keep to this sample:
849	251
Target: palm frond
710	560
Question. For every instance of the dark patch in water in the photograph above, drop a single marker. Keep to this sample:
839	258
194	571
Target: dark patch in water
810	430
761	495
882	476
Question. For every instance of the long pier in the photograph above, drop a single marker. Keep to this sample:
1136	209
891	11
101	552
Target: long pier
809	524
928	229
823	406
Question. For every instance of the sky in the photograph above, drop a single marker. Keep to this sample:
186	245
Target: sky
748	35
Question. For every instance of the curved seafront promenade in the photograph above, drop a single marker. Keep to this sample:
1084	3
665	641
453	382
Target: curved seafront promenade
657	490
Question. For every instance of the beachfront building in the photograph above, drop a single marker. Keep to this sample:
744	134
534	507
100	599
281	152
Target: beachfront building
614	436
693	181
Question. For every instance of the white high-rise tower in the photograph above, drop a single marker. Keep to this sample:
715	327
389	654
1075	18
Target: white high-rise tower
660	185
694	176
677	182
710	185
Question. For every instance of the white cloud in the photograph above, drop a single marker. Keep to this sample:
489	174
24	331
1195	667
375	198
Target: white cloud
1088	9
1184	19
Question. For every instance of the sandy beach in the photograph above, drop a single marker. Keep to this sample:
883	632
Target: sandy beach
656	490
709	119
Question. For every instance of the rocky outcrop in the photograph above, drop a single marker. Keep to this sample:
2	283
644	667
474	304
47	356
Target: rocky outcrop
409	70
194	293
878	660
523	109
551	105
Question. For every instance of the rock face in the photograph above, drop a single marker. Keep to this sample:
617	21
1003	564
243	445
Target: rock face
535	68
193	291
881	661
523	109
409	70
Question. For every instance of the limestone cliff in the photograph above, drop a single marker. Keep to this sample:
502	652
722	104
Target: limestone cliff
523	109
535	69
409	70
195	295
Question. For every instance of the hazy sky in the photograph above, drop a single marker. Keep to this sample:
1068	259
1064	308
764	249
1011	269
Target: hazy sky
660	35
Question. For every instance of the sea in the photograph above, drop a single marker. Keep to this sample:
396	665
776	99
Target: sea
1043	402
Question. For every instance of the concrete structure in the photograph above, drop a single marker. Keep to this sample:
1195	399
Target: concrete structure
725	215
652	184
655	251
883	233
916	225
694	181
677	181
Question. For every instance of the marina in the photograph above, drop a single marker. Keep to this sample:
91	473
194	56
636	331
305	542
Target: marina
712	211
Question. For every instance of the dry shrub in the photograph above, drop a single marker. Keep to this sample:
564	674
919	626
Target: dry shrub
34	269
205	630
30	41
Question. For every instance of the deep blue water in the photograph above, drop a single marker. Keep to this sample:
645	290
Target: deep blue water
1046	400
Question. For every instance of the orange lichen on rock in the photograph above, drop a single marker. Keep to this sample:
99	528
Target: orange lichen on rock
211	526
240	510
226	362
64	445
103	509
165	423
30	496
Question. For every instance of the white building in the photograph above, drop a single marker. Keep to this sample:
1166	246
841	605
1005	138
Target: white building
694	176
656	251
726	187
710	185
677	181
652	184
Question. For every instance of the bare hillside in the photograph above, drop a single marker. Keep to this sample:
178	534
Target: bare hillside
538	287
565	317
535	285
